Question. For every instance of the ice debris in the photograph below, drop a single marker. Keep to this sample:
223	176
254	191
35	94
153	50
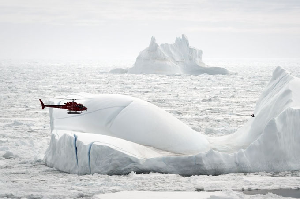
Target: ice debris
8	155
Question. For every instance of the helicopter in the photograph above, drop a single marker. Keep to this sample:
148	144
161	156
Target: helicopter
73	107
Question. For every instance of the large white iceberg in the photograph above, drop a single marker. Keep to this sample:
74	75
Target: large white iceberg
177	58
119	134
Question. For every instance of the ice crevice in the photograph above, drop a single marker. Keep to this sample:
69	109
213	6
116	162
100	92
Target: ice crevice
114	117
129	134
75	146
89	156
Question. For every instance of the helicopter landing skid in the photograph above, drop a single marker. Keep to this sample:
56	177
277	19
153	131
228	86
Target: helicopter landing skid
74	113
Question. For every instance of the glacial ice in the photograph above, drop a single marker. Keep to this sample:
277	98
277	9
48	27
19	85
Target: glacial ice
119	134
177	58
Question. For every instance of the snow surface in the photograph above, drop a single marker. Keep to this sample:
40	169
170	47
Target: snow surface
228	194
120	134
221	104
177	58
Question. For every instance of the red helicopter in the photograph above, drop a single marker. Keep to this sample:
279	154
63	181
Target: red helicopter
73	107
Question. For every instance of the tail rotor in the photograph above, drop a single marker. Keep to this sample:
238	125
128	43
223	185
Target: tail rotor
42	104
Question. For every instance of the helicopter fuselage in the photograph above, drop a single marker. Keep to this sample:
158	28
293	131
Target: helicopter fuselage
72	107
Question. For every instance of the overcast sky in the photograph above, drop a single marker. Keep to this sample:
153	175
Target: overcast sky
120	29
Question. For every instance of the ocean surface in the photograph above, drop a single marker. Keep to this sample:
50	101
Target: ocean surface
213	105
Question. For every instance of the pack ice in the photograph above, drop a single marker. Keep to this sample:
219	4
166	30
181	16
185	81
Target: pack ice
177	58
119	134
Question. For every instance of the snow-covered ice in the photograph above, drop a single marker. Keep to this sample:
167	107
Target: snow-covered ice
228	194
176	58
120	134
221	104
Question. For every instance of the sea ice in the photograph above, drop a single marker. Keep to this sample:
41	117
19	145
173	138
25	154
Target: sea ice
119	134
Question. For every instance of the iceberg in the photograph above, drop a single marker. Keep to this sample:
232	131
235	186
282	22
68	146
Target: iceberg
120	134
119	71
177	58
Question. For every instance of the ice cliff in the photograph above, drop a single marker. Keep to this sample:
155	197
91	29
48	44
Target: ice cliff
177	58
119	134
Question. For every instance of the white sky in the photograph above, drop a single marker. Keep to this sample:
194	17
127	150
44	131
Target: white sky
116	29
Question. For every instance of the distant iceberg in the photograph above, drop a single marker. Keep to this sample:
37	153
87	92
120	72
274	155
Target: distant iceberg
177	58
119	71
119	134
